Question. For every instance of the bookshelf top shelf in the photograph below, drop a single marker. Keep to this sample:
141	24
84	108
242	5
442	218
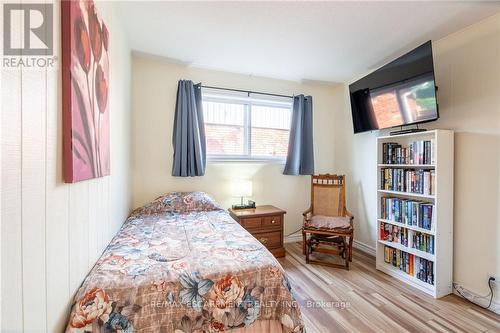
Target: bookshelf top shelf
416	134
413	166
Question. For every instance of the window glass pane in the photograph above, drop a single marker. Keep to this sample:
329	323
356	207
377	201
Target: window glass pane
224	128
419	101
386	108
270	131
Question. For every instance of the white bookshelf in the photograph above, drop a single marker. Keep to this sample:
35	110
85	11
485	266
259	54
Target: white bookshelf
442	224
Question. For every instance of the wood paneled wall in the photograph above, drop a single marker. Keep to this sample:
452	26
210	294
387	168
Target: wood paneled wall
51	232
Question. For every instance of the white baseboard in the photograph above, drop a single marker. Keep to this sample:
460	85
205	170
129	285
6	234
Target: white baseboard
478	299
293	238
364	247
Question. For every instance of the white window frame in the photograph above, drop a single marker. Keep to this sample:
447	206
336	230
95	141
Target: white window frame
247	102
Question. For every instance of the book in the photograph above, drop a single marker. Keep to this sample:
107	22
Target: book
406	211
417	152
425	270
392	233
402	260
423	242
417	181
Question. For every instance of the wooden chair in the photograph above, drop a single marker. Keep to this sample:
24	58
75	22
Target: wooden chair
328	225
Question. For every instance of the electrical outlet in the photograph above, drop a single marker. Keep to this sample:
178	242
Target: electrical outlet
495	282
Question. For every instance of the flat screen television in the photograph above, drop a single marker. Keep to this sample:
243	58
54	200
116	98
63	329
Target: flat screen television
403	92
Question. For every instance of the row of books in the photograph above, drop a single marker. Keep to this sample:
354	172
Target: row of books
393	233
417	152
400	259
410	212
424	270
396	234
423	242
421	268
408	180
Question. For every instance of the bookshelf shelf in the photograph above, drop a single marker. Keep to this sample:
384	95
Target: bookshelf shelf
408	194
408	166
394	272
437	152
411	136
408	249
407	226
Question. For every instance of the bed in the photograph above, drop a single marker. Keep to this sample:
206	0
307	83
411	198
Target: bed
182	264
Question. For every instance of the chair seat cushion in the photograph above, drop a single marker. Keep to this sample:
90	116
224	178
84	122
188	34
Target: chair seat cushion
329	222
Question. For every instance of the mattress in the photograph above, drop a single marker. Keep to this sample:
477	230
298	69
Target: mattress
182	264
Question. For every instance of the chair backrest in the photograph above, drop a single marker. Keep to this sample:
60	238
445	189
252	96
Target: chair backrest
328	195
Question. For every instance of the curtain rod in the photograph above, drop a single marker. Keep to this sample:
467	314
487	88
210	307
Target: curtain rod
247	91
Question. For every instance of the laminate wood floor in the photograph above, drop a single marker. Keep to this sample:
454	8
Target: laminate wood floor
366	300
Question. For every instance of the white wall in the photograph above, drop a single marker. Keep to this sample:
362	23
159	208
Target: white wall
51	232
467	65
154	92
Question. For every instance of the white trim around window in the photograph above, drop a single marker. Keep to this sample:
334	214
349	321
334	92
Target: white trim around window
279	123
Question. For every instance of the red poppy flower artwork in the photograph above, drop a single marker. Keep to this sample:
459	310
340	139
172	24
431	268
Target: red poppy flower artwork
85	67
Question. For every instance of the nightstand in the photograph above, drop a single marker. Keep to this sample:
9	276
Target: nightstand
265	223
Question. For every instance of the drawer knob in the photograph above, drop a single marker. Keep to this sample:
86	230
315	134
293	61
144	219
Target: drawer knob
273	221
263	240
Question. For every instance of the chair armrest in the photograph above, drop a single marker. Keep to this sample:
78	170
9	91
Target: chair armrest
307	214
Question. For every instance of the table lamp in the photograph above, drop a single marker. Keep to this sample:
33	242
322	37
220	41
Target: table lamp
242	189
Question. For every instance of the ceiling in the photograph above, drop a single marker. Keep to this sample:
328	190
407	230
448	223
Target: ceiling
319	41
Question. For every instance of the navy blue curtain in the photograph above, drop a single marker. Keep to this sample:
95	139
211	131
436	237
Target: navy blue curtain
300	158
188	137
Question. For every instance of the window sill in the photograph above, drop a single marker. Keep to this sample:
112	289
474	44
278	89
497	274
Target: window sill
228	160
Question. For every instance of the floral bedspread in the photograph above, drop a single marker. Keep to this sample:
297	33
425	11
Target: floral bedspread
182	264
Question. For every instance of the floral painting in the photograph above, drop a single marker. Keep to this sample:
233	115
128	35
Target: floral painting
85	62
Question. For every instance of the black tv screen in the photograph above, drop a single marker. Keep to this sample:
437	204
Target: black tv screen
402	92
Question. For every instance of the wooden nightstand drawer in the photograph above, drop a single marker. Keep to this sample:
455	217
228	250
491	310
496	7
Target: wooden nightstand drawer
271	222
265	223
271	240
251	222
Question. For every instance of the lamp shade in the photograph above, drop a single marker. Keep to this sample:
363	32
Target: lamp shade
242	188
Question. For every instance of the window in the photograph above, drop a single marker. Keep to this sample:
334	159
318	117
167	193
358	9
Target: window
239	127
413	101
